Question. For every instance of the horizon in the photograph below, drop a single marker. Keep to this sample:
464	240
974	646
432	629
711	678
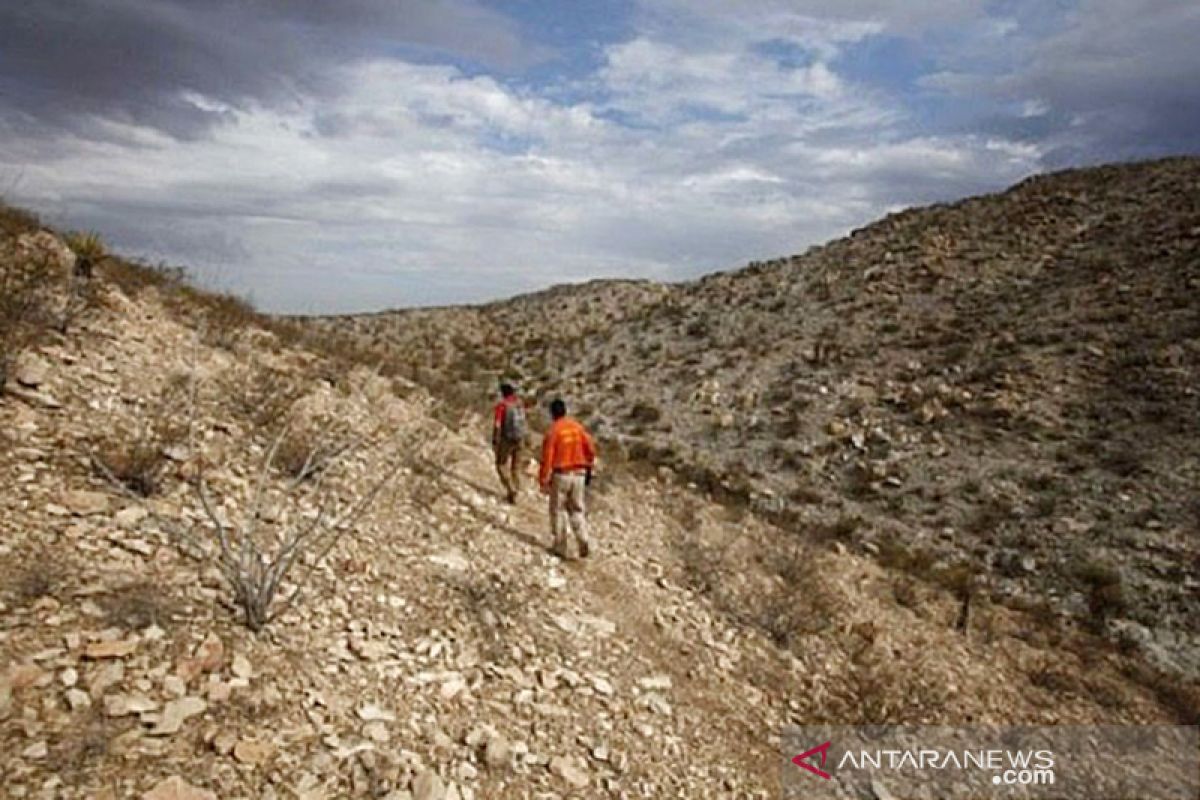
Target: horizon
451	152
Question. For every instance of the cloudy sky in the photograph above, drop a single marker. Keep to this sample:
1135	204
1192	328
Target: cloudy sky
361	154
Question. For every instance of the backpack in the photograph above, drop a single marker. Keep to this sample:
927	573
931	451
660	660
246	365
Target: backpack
512	428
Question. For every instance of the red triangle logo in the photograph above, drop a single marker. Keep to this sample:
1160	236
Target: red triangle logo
802	760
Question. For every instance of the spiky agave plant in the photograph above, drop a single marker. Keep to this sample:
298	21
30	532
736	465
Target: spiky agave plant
89	249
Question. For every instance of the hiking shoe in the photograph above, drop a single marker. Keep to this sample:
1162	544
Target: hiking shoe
584	548
512	498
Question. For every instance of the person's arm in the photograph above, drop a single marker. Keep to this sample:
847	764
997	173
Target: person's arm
589	455
589	449
547	466
497	423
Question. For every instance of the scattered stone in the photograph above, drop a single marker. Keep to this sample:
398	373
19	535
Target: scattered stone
373	713
84	503
452	687
35	751
451	560
31	370
176	788
22	676
78	699
129	517
602	686
176	713
656	703
497	753
428	786
377	732
880	791
109	675
370	649
224	742
253	752
174	686
122	705
209	657
241	667
115	648
655	683
570	770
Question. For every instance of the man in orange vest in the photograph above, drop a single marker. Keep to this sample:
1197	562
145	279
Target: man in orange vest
508	439
568	457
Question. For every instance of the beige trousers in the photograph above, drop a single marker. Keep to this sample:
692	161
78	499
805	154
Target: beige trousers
567	509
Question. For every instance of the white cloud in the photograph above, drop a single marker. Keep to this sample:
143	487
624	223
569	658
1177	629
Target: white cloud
694	149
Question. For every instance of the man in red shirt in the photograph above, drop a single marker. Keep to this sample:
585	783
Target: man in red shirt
568	457
508	439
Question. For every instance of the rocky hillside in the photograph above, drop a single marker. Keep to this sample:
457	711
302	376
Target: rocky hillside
1002	390
162	450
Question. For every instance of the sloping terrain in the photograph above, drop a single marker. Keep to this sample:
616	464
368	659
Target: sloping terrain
1000	392
437	649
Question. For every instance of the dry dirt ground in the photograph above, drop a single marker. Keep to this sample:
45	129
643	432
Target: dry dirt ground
438	650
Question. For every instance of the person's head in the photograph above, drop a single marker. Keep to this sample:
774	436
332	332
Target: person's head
507	390
558	409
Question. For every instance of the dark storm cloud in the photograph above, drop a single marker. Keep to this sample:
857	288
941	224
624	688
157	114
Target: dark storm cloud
137	59
1117	80
1126	72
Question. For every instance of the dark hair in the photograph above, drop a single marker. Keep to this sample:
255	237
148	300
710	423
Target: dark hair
507	389
558	409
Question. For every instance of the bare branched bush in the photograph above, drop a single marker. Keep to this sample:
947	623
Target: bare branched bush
256	541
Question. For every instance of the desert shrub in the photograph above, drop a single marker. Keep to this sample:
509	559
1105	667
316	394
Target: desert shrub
136	606
1180	696
83	747
41	576
899	555
840	530
28	283
15	221
990	514
89	250
134	452
221	317
1105	591
131	277
263	395
702	565
492	604
307	450
138	464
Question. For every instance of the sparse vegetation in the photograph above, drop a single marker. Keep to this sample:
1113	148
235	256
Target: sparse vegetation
136	606
28	284
39	576
1105	591
89	250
